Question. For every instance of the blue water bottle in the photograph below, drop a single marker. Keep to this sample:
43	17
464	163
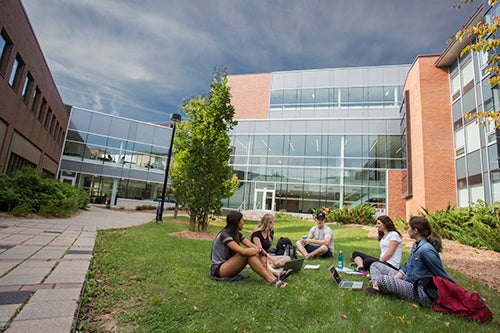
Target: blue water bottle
340	264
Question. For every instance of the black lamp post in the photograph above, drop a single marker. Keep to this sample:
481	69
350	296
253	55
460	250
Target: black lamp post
175	118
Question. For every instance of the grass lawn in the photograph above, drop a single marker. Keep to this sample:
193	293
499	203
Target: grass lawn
145	280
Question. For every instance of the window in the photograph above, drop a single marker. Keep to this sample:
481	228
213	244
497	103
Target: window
28	84
41	112
36	98
467	73
16	73
5	47
48	118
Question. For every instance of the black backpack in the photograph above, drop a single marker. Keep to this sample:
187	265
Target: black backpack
285	247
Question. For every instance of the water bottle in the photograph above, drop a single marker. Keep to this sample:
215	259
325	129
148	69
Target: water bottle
340	264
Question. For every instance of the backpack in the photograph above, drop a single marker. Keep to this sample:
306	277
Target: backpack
284	247
449	297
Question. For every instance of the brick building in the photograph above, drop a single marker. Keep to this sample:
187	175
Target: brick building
33	117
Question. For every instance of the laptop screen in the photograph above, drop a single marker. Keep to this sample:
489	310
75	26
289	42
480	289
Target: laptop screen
335	274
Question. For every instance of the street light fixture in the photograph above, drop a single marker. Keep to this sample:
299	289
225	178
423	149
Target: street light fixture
174	118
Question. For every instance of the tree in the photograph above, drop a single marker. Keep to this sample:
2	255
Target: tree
201	175
486	41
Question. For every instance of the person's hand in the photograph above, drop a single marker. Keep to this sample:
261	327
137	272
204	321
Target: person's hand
252	251
305	241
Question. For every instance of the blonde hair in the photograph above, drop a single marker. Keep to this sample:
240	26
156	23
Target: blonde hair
265	224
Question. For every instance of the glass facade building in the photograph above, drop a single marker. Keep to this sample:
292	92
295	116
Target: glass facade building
328	140
114	157
476	146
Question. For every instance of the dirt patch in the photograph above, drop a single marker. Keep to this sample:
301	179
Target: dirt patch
199	235
478	264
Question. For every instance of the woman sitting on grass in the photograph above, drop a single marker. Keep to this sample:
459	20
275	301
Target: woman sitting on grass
262	237
391	247
229	257
424	260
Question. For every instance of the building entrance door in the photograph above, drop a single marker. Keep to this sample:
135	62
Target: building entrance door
264	199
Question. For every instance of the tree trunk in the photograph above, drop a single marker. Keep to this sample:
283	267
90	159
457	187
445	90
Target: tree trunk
192	220
176	210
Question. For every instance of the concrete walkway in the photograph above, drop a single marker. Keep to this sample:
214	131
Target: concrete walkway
43	264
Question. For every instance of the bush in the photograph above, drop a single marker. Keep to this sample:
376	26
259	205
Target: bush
26	192
145	207
477	225
361	214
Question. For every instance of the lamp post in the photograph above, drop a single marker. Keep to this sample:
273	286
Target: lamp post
174	118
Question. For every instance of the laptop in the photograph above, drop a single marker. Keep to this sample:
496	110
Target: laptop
295	265
344	284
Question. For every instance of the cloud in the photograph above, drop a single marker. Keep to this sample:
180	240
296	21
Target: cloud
142	59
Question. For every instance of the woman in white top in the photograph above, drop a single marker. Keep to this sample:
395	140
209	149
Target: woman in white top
391	248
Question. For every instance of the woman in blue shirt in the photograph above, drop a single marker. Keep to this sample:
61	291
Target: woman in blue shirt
424	260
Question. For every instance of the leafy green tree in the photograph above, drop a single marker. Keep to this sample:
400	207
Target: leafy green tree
201	175
486	41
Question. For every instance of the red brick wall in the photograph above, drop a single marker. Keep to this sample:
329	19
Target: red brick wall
396	205
250	95
433	165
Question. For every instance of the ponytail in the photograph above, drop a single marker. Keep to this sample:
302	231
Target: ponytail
425	230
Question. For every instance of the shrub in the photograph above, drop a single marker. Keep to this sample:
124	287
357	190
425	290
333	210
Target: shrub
145	207
361	214
26	192
476	225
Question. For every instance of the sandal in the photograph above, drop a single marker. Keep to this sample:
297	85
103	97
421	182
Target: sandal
284	274
278	283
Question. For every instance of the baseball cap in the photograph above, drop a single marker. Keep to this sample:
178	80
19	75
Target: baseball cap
320	216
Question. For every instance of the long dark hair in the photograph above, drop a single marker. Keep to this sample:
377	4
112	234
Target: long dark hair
425	230
389	225
232	220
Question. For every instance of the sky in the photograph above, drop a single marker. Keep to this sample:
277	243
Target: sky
141	59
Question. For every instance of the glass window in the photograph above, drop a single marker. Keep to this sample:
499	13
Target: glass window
36	97
120	127
457	111
28	82
473	164
376	95
333	145
469	101
493	157
296	145
162	135
467	73
100	123
41	112
313	145
15	73
455	84
276	97
47	119
308	96
321	95
241	145
472	141
260	145
80	120
390	95
276	145
459	138
460	165
356	96
290	96
353	146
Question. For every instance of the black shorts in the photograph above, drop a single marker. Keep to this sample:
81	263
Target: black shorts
215	270
310	248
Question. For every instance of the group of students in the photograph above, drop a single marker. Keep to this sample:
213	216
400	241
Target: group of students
229	257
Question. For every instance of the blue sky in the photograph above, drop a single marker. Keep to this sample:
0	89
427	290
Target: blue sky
141	59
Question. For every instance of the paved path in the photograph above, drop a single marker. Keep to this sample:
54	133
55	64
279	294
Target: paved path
43	264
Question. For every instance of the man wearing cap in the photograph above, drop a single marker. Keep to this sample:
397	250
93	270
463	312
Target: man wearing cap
319	242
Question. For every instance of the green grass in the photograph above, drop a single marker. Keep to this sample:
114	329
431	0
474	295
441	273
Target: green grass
145	280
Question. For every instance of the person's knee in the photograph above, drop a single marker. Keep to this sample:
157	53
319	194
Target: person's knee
298	243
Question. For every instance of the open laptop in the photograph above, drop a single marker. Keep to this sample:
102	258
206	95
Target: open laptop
295	265
344	284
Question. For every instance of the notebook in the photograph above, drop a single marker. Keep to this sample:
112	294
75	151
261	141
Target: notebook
295	265
344	284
